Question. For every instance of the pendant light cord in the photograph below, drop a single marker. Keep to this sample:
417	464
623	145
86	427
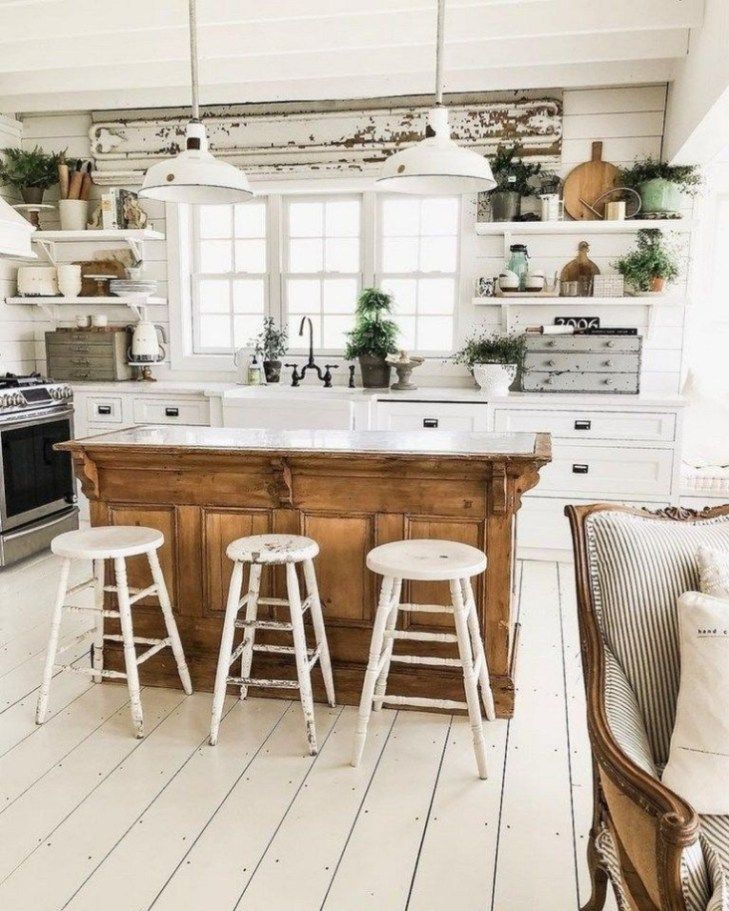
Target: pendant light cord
438	53
193	59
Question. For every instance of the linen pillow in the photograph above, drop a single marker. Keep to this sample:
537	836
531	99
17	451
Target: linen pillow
698	761
713	571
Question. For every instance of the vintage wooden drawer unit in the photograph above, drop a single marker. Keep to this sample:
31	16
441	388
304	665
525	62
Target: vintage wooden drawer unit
583	363
88	354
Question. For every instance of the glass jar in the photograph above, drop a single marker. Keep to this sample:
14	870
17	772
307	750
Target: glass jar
519	262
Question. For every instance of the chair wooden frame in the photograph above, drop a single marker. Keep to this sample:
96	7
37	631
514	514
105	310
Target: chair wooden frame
650	825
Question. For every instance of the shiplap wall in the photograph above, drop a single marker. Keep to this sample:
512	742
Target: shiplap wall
630	123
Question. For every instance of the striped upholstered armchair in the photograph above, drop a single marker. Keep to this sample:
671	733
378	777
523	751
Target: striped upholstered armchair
631	567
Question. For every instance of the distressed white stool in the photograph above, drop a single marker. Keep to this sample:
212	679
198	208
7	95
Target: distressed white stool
114	542
272	550
429	561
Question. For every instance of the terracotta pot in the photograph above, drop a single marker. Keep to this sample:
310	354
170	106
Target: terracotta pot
658	283
375	371
272	369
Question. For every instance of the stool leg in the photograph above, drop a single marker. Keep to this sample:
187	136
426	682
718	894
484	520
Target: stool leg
226	647
469	678
487	696
312	591
302	661
249	634
42	708
381	684
98	646
172	632
130	655
372	672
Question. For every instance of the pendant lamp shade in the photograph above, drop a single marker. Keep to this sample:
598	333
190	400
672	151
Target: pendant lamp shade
437	165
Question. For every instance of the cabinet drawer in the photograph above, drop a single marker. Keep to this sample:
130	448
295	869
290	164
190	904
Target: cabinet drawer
431	416
171	411
608	362
538	381
536	343
604	471
590	425
104	410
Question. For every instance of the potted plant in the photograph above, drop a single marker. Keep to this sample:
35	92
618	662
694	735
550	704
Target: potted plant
30	171
661	185
512	175
373	337
647	268
496	360
270	345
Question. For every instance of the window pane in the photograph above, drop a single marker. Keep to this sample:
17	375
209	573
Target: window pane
214	296
342	255
250	256
399	254
436	295
406	338
404	293
400	217
215	221
216	256
306	219
306	256
334	329
248	295
250	219
245	329
343	218
439	216
435	333
438	254
215	332
303	295
340	295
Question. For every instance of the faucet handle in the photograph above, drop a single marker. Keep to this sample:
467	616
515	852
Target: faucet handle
294	375
328	375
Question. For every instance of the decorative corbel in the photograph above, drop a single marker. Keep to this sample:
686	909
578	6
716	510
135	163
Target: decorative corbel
281	487
498	488
87	473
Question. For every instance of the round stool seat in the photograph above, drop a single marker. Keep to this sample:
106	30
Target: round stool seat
272	549
427	560
107	542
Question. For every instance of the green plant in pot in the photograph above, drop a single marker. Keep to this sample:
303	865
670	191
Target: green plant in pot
270	345
496	360
647	268
30	171
512	175
373	337
661	185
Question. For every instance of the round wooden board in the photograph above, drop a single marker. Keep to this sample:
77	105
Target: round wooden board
588	181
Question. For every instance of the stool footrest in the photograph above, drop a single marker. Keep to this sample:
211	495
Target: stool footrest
75	642
427	659
82	586
420	637
262	682
426	608
143	593
91	671
281	650
421	702
91	610
264	624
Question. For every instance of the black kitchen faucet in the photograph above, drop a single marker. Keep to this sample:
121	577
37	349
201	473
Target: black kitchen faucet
325	375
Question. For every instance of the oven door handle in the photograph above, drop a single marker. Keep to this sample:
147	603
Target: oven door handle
45	416
9	535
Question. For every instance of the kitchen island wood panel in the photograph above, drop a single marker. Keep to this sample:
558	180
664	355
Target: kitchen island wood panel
204	487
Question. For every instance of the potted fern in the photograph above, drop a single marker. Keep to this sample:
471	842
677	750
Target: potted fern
30	171
373	337
661	185
647	268
495	360
270	345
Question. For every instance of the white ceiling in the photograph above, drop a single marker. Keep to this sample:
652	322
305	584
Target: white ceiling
83	54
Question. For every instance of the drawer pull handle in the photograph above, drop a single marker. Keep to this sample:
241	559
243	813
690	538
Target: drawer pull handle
103	409
580	469
172	412
430	422
607	363
583	425
549	363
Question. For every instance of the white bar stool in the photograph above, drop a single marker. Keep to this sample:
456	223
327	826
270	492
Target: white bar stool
272	550
113	542
430	561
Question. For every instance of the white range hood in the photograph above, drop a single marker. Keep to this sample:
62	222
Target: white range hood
15	233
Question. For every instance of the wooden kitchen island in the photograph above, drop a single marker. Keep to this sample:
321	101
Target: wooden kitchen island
203	487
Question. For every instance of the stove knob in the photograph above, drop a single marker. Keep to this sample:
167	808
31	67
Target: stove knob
53	392
67	392
4	401
17	399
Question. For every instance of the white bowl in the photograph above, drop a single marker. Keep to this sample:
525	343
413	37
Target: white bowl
494	379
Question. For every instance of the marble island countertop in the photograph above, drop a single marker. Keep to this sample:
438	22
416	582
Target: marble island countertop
373	442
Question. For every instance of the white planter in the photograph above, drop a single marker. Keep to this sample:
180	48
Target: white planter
494	379
73	213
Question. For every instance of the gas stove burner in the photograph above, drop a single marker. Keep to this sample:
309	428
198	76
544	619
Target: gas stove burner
13	381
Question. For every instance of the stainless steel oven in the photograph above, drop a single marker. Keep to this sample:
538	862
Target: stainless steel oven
37	486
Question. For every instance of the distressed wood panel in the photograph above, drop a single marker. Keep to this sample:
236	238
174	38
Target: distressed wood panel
163	519
220	528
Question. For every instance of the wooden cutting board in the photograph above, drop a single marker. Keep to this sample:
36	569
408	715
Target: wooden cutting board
588	181
581	269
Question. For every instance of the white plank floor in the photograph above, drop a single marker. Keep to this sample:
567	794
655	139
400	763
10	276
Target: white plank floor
91	818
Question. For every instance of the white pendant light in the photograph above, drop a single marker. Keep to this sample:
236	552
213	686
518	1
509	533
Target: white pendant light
195	176
437	165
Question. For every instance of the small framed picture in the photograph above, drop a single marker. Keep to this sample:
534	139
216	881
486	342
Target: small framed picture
485	287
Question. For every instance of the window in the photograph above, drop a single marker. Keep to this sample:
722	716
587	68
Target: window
418	265
322	272
230	276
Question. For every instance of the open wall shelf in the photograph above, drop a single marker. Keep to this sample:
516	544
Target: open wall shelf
129	237
584	226
49	304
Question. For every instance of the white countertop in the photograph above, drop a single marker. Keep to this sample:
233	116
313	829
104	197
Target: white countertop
419	442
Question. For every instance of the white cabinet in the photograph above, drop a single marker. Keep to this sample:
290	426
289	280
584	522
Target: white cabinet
465	416
170	410
337	414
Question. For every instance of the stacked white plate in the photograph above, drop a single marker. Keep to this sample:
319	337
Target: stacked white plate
126	287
